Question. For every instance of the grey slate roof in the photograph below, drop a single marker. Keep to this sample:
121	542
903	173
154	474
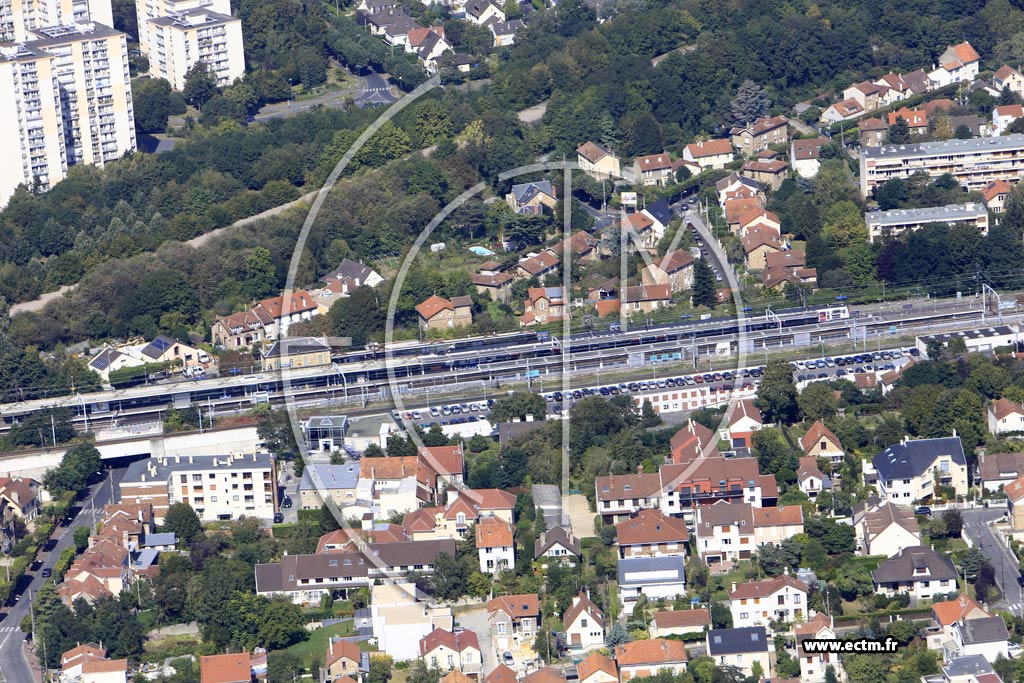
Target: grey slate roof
353	270
651	564
912	458
298	345
984	630
973	145
968	665
156	348
660	210
730	641
557	534
331	476
524	192
161	539
167	465
916	562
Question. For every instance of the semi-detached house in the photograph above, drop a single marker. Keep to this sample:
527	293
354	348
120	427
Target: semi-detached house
910	471
759	603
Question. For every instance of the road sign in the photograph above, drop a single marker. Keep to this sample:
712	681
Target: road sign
628	198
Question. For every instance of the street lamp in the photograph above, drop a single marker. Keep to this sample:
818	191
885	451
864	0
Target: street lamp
291	93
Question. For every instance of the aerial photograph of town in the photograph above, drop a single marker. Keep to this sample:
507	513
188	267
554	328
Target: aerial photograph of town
511	341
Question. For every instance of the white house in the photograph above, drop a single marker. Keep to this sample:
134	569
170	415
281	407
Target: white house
918	571
805	156
399	620
820	442
741	647
655	577
810	478
744	420
596	668
948	614
909	471
813	665
679	622
495	545
442	649
709	153
886	529
645	658
1004	115
584	624
986	636
513	619
958	64
759	603
557	542
1005	416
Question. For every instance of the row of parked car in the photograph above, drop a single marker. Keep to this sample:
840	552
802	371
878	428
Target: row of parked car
654	385
860	359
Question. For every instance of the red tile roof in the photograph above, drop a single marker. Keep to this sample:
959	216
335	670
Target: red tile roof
763	589
501	674
651	526
458	642
582	604
709	148
595	662
951	611
338	649
691	442
434	305
516	606
815	434
653	651
622	486
653	162
592	152
675	260
994	189
682	618
492	532
443	459
230	668
787	515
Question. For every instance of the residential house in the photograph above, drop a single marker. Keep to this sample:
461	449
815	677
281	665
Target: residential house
18	500
582	247
741	647
995	194
448	651
438	313
654	577
622	495
805	156
737	207
266	320
465	508
773	525
776	279
810	478
918	571
531	198
229	668
598	162
820	442
584	624
493	282
759	603
354	273
871	132
647	658
899	87
883	528
947	614
736	186
644	298
754	217
969	669
480	12
1004	115
726	532
975	125
869	96
297	352
674	269
1005	416
504	32
101	570
680	622
321	481
501	674
909	471
396	484
107	671
842	111
513	618
597	668
653	169
997	470
771	173
814	665
958	64
710	479
1006	77
71	661
429	45
760	135
652	534
985	636
917	119
660	214
693	441
545	674
536	265
744	419
447	462
400	619
557	542
344	658
495	545
543	305
758	242
709	153
1015	503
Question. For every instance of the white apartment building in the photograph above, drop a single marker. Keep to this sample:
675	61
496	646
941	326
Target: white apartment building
71	103
897	221
19	17
974	163
215	486
179	40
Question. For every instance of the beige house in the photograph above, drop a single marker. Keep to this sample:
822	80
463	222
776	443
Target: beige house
1005	416
771	172
760	135
531	198
995	194
438	313
709	154
584	624
645	298
344	659
645	658
598	162
653	169
741	647
820	442
597	668
513	619
543	305
758	242
1015	503
1008	77
911	470
813	665
300	352
679	622
675	269
449	651
885	529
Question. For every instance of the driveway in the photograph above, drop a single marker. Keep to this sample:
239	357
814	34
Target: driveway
976	528
475	620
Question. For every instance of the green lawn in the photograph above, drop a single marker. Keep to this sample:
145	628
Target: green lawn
316	645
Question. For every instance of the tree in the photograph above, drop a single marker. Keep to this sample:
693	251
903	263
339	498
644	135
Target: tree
817	401
151	102
954	522
749	104
359	316
283	667
617	635
181	519
971	563
776	395
258	276
892	194
200	85
518	404
963	132
844	225
450	577
704	290
421	673
80	466
899	132
82	534
380	669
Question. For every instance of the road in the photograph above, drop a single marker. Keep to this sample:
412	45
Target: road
977	529
13	665
373	90
715	254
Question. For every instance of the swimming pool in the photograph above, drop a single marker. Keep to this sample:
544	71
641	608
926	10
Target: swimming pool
481	251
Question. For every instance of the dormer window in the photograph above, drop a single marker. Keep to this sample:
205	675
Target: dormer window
461	518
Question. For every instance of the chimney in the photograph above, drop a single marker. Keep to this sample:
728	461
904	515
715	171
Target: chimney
733	587
640	468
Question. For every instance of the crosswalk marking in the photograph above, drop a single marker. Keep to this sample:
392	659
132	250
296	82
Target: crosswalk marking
9	629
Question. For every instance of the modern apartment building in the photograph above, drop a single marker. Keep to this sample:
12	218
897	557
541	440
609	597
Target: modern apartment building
974	162
175	34
894	222
215	486
19	17
179	40
71	102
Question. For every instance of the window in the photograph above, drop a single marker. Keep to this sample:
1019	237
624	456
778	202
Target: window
583	623
744	615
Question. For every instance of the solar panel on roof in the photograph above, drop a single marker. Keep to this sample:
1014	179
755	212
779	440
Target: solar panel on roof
161	343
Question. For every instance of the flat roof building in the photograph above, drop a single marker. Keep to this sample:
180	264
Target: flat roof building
882	223
974	162
180	39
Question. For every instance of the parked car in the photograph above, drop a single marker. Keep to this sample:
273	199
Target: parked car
278	519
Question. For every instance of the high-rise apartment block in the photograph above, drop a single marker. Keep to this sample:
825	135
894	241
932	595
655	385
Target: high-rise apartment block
175	34
64	74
